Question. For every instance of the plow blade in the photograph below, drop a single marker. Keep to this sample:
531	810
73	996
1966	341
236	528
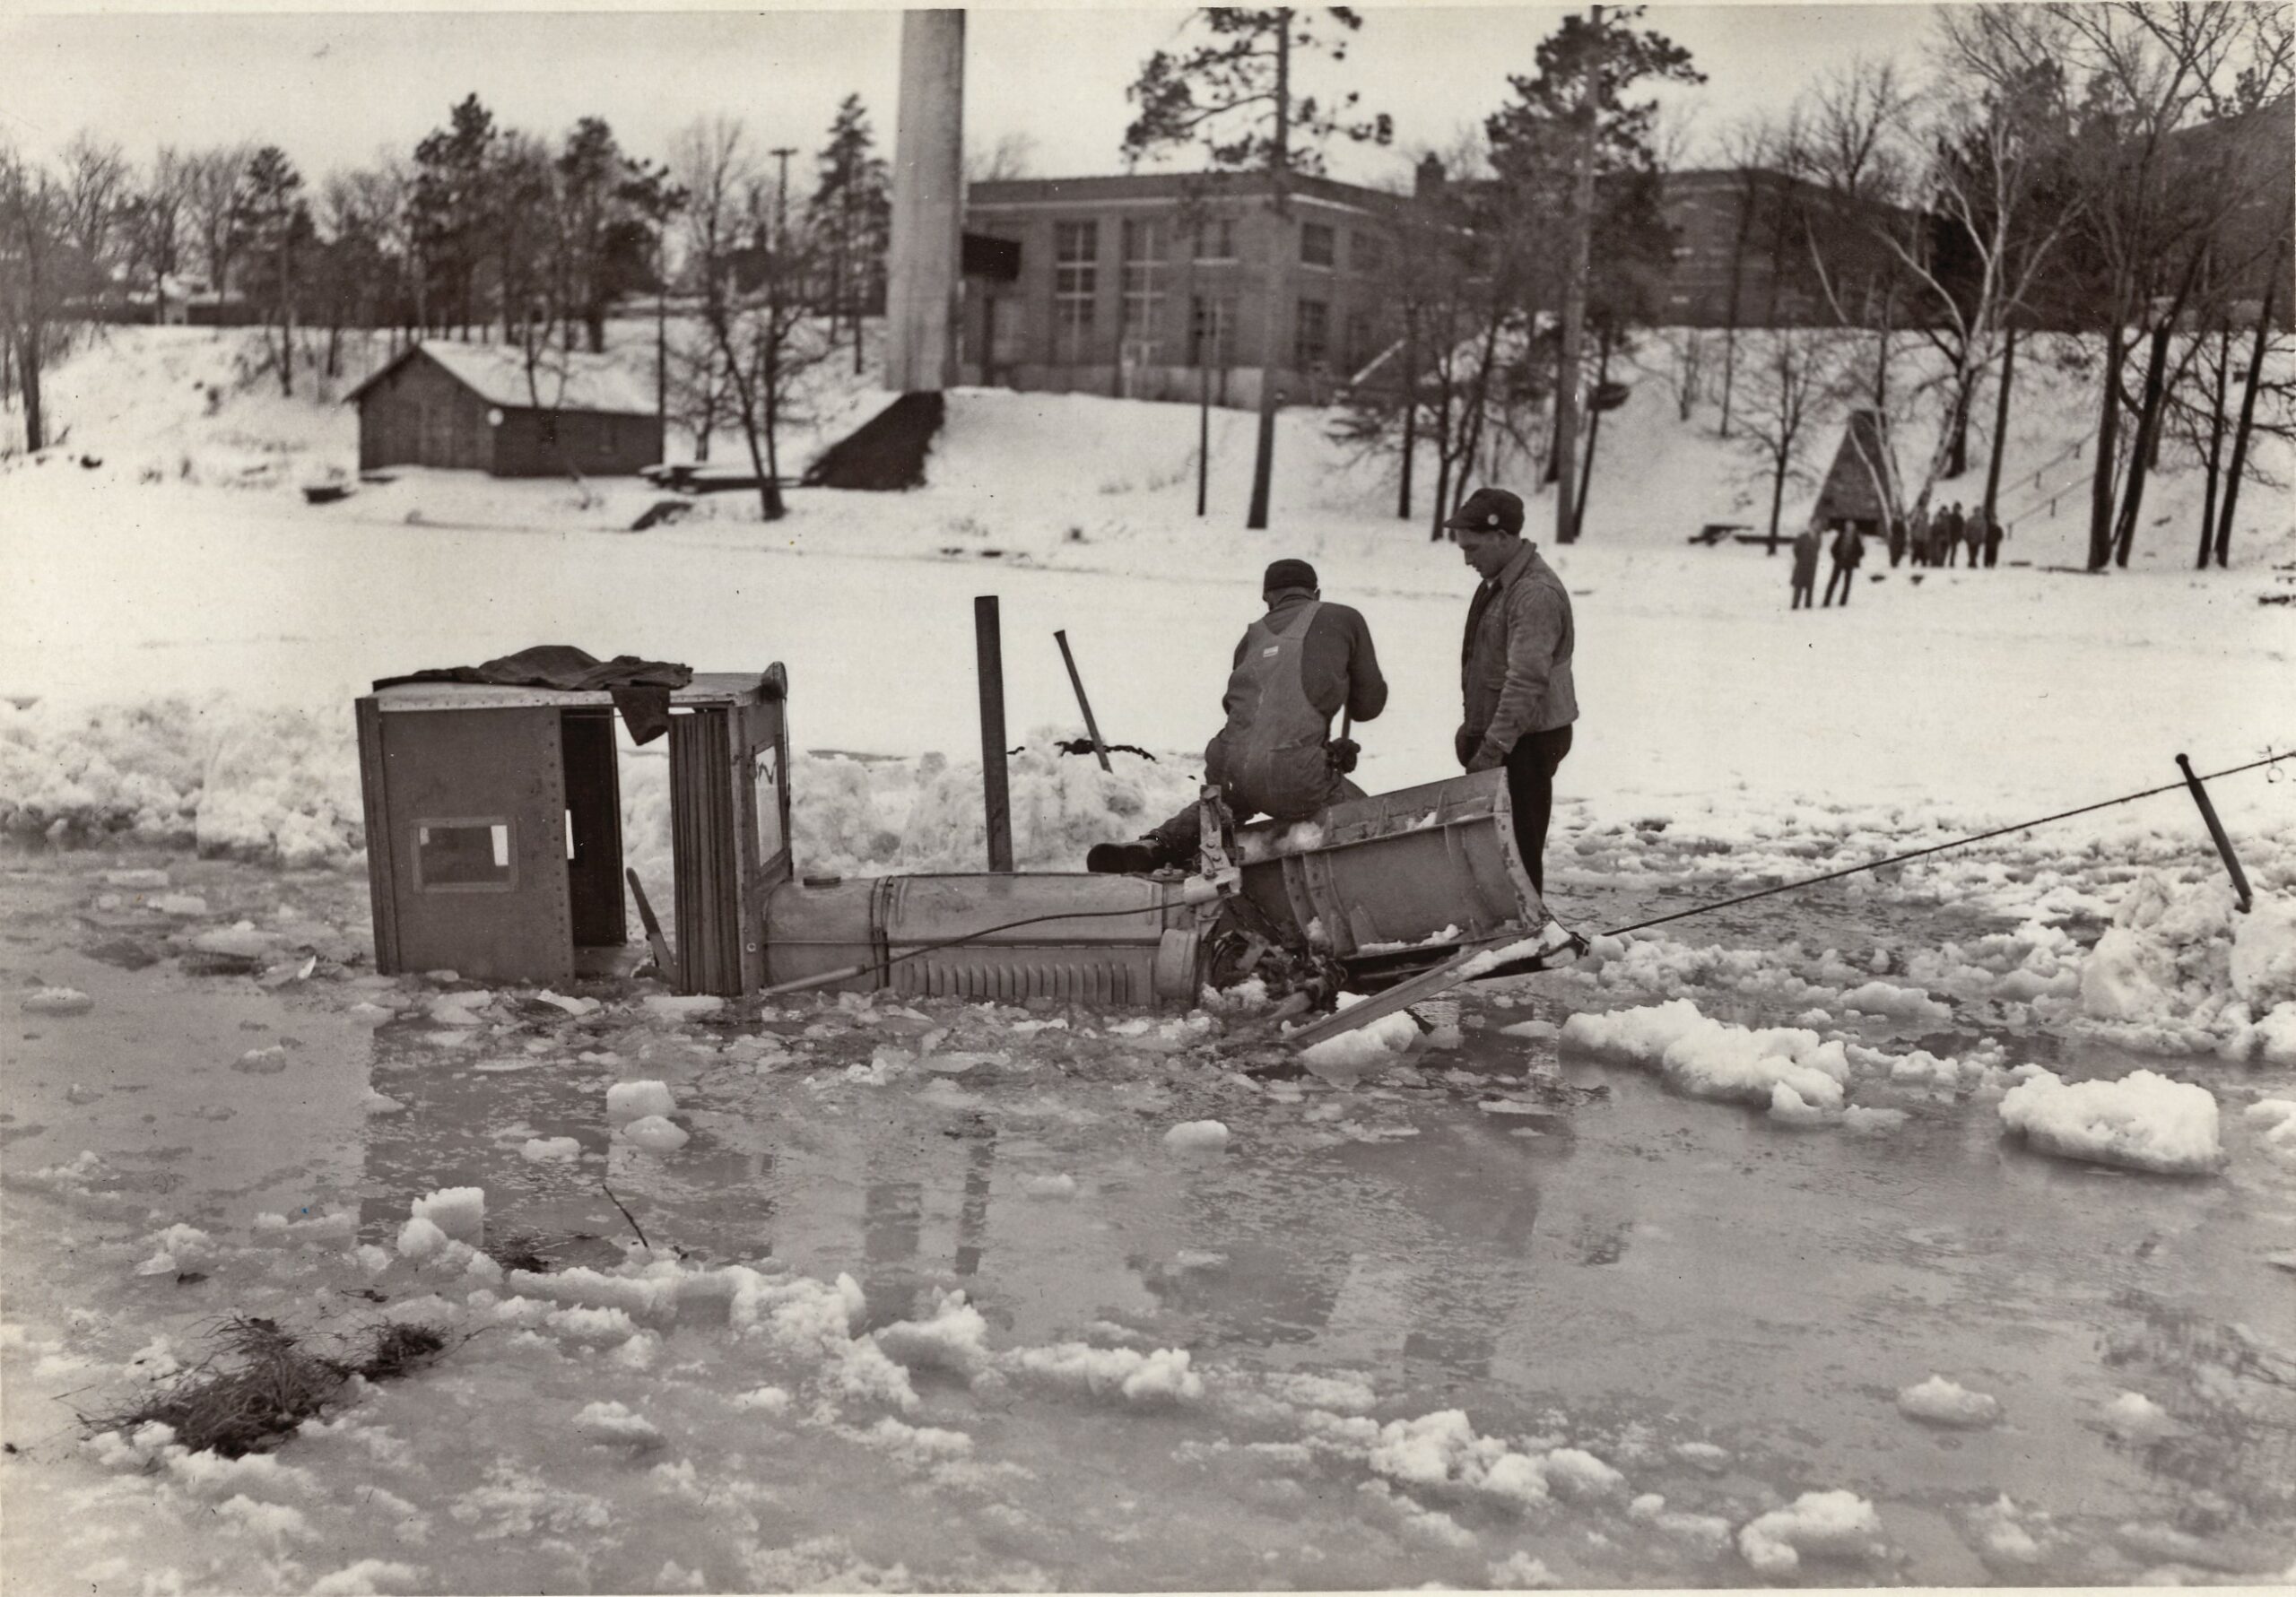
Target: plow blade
1395	882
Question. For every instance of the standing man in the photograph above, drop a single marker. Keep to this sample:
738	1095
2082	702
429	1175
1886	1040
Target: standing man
1298	665
1973	534
1806	568
1848	550
1949	532
1994	532
1515	673
1897	538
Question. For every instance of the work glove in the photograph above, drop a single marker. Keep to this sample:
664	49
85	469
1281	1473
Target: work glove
1463	745
1343	753
1484	758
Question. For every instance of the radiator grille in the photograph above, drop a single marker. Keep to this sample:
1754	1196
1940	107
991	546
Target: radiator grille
1099	978
705	850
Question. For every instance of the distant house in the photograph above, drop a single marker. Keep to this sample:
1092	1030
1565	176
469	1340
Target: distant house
477	407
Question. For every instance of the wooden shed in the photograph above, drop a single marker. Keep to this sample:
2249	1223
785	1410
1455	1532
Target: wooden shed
1850	496
481	407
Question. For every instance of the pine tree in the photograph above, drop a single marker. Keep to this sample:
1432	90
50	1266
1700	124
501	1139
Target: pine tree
1234	97
274	225
850	215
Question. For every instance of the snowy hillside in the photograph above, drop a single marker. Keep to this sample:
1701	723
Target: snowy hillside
1026	472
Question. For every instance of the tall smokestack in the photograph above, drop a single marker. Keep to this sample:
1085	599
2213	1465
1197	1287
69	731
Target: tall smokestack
927	240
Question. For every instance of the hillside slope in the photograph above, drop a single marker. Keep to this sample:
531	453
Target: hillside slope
1026	474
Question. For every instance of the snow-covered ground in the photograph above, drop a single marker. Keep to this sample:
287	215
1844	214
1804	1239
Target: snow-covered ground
1691	1265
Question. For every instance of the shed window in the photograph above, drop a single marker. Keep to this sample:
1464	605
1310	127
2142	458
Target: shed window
464	857
1319	245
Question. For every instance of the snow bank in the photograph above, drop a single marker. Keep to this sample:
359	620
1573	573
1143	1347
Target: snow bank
2141	1122
229	778
2182	971
1791	1071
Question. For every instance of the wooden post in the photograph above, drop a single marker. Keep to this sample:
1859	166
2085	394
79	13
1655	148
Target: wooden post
1091	727
989	653
2216	832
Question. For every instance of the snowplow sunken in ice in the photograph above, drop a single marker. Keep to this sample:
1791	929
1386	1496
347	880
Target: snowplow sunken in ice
495	849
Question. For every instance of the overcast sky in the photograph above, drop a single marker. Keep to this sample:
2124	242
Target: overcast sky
333	88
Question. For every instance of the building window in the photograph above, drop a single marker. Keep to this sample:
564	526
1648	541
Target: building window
1211	328
1311	336
1371	249
1319	245
1076	257
1144	291
1215	239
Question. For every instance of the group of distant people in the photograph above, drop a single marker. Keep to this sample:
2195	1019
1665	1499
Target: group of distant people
1937	540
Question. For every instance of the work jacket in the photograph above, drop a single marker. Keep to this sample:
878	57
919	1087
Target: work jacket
1515	660
1296	667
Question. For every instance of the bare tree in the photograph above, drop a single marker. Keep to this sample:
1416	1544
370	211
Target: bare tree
1997	138
211	199
749	268
155	223
1792	378
1012	155
2157	197
36	275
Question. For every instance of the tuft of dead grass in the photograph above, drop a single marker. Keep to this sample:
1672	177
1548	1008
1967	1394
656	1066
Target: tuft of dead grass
261	1383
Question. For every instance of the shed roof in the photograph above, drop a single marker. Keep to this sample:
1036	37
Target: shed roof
561	380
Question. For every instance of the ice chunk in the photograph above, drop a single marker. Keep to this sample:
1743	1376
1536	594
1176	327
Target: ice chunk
2134	1414
551	1151
955	1338
242	940
1713	1059
419	1239
1940	1402
1197	1135
611	1424
1899	1004
655	1134
1048	1186
572	1006
1833	1523
2141	1122
1161	1376
372	1577
635	1101
458	1211
1522	1573
139	880
183	905
58	1001
670	1007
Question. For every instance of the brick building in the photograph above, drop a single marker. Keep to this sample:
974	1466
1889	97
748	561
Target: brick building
1132	285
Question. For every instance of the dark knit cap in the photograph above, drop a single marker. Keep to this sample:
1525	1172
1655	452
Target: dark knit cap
1287	574
1489	510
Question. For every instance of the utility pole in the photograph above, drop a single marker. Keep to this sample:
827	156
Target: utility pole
1574	298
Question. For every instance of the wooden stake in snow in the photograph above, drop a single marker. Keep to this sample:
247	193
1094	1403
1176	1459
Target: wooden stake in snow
1091	727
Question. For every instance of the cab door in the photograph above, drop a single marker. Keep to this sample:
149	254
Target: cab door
476	830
